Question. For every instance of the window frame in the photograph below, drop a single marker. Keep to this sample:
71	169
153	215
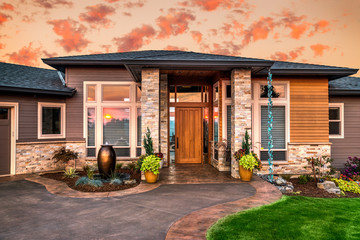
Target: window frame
99	105
225	102
341	120
257	102
62	107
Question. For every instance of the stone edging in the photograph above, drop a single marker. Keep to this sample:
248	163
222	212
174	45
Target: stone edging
62	189
195	225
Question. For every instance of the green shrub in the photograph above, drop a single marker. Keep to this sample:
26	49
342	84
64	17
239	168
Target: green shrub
86	168
304	179
148	143
248	162
132	166
95	183
90	173
347	186
139	162
70	173
118	166
82	181
151	163
116	181
286	177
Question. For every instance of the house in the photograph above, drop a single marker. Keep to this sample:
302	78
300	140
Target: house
197	106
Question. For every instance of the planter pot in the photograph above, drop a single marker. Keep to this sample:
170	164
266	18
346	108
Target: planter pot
106	160
151	177
245	174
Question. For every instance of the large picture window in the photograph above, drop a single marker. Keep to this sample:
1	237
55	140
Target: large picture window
113	117
51	120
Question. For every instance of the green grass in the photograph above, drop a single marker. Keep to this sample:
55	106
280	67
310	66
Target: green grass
293	218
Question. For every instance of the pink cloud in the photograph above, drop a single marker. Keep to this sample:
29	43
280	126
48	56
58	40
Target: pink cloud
128	14
292	55
197	36
321	26
296	24
2	46
27	55
174	48
48	54
132	4
48	4
97	15
258	30
233	29
135	39
319	49
4	18
7	6
174	23
211	5
72	34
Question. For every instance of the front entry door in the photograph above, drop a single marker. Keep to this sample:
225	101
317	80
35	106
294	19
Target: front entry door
188	135
5	140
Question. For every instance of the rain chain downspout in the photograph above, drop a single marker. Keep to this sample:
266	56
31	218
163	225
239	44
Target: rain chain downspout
270	126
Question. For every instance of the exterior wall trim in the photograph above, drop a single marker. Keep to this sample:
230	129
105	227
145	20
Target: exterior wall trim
63	120
342	119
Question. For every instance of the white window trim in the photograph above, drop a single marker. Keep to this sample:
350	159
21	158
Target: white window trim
14	111
225	101
62	134
342	120
99	105
257	102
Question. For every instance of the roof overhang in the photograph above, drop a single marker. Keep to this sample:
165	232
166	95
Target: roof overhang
69	93
344	92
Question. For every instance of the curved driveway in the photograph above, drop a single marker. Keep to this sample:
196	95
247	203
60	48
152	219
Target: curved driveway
29	211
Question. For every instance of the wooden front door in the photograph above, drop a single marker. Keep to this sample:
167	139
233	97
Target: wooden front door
188	135
5	140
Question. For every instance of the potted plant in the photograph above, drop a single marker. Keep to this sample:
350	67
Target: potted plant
161	156
150	166
247	163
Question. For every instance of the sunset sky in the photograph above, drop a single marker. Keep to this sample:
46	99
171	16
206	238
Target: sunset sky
312	31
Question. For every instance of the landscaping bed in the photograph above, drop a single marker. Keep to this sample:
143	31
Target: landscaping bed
310	189
107	187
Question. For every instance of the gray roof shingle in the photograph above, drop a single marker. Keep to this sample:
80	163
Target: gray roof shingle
345	83
31	79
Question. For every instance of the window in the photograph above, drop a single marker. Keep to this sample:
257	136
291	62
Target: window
51	120
336	120
280	130
185	93
216	124
113	117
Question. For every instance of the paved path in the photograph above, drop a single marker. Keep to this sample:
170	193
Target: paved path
29	211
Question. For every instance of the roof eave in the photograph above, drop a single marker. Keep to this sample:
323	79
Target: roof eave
344	92
69	93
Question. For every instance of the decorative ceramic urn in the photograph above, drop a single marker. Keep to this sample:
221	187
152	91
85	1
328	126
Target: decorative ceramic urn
106	160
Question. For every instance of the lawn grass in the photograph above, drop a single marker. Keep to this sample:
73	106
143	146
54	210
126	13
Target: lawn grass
293	218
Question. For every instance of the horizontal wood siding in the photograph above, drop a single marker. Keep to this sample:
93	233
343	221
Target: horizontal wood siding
349	146
75	78
28	112
309	111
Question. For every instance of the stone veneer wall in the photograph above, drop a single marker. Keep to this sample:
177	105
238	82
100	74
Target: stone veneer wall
150	109
164	111
297	154
240	112
32	157
220	163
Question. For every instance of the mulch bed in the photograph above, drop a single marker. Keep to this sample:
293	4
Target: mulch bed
107	187
310	189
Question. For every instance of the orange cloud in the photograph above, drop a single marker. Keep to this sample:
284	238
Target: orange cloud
4	18
224	48
174	48
2	46
319	49
211	5
7	6
258	30
292	55
197	36
131	4
49	55
97	15
321	26
26	56
48	4
297	25
135	39
72	34
174	23
234	29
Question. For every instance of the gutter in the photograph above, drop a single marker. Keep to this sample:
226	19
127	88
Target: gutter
69	93
344	92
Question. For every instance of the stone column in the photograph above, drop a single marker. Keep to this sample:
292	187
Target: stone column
150	105
164	110
240	112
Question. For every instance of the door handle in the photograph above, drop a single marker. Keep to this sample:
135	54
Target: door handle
177	142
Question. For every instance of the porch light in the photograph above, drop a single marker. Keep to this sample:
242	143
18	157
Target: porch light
108	116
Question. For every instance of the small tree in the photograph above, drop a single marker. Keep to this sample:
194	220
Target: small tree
148	143
246	143
65	155
317	164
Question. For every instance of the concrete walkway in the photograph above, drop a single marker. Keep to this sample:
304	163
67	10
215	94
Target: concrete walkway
29	211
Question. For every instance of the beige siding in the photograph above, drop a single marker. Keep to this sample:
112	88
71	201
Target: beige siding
309	111
28	108
75	78
349	146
